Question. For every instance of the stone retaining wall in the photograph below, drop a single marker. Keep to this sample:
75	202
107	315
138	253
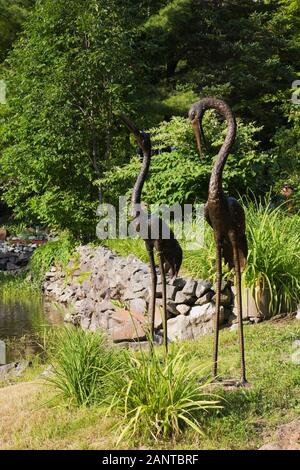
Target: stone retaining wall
15	257
103	290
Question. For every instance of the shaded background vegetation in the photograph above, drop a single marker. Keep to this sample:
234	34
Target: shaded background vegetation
74	66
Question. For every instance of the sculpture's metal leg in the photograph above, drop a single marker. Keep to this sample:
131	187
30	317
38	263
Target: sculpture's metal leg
164	298
153	290
239	308
218	302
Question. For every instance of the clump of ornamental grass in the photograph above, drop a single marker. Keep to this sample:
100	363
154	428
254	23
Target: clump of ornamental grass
274	258
83	365
159	396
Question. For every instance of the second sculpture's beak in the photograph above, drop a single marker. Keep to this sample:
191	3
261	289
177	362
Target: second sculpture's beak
198	134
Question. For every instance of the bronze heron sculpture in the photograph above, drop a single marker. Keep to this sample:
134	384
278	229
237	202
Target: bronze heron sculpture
168	249
226	216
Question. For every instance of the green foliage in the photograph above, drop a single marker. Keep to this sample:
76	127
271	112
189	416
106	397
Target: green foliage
159	397
274	258
12	16
70	69
243	51
75	67
288	146
178	175
53	252
128	246
17	287
83	363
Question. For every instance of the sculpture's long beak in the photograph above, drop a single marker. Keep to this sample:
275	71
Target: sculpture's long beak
198	134
129	124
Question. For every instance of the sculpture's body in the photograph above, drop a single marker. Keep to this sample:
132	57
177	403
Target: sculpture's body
226	217
168	250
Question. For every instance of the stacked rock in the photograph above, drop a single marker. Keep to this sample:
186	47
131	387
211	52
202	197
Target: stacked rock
103	290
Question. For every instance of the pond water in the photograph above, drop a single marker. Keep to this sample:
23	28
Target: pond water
21	320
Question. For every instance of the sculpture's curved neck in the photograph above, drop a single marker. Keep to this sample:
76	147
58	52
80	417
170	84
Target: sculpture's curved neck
138	187
215	184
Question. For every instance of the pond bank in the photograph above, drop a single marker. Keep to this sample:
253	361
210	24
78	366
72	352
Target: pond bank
100	289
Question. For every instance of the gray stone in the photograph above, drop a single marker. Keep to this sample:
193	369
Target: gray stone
138	306
100	320
67	294
226	297
85	323
202	313
179	282
172	307
68	317
202	329
190	287
80	294
86	286
234	327
206	298
180	328
105	305
139	286
14	369
171	291
182	298
183	309
11	266
50	275
224	284
84	307
130	295
202	287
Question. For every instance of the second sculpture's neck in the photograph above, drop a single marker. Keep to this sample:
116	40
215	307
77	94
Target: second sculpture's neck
138	187
215	184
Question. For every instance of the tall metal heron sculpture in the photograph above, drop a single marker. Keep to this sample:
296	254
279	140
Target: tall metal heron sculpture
226	216
168	249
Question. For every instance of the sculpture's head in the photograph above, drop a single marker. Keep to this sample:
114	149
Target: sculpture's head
196	113
142	138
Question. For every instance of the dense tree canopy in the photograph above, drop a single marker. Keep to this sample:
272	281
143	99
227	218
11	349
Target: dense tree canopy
78	64
12	15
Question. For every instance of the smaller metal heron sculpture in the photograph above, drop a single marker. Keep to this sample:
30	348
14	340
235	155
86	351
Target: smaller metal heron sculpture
168	250
226	216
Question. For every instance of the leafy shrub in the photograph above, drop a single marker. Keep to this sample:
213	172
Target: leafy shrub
53	252
178	176
82	362
158	397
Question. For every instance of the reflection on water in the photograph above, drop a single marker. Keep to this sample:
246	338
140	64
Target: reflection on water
18	318
23	319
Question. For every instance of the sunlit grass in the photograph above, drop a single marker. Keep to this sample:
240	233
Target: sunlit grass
28	420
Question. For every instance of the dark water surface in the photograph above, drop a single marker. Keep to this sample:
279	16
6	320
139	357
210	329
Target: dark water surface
22	320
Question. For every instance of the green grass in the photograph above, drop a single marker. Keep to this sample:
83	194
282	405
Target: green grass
274	256
247	419
159	397
17	287
83	363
